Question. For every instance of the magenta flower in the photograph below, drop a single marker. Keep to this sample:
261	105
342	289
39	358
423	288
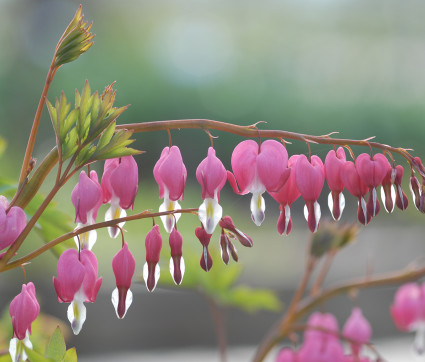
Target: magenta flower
408	312
77	283
212	176
170	174
11	223
123	265
258	169
286	196
321	343
310	177
23	310
286	355
372	171
177	266
333	164
391	189
119	184
87	198
231	230
205	238
358	329
151	271
357	188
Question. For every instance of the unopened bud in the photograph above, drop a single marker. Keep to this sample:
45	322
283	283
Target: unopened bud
204	238
416	191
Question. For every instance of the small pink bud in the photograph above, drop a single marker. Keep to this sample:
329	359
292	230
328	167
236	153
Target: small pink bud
177	266
357	328
400	197
227	247
415	189
151	271
204	238
123	265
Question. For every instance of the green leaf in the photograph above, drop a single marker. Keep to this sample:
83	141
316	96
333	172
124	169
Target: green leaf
56	347
70	146
35	356
252	300
106	136
70	355
53	115
68	123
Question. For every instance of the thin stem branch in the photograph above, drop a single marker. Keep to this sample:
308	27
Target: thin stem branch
71	234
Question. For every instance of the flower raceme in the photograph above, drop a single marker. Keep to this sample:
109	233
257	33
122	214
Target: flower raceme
87	197
12	222
170	174
23	310
212	176
119	185
123	265
77	283
256	169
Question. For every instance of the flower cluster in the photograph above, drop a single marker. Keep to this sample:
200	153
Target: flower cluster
322	340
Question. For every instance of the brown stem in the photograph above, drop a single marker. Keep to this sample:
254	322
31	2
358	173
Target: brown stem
36	122
220	327
71	234
278	333
285	323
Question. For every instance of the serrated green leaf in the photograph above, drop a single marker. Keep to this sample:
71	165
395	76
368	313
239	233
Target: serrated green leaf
77	99
119	153
53	115
56	348
252	300
69	146
85	154
105	137
70	355
68	123
35	356
86	100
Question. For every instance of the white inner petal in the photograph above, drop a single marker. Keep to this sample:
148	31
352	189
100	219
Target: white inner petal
400	195
146	275
168	220
182	269
77	313
115	212
87	239
317	214
17	350
287	217
383	198
258	206
210	213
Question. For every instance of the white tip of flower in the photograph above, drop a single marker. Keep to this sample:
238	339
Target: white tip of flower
146	276
383	198
210	213
77	315
287	217
341	205
258	207
87	239
169	220
115	212
317	215
182	270
115	301
17	350
419	343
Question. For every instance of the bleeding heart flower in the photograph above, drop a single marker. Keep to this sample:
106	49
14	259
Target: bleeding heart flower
119	184
123	265
258	169
333	164
204	238
212	176
286	196
11	223
357	328
177	266
87	197
170	174
77	283
310	177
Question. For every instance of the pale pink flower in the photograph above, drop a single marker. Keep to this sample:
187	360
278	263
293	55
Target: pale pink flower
11	223
358	329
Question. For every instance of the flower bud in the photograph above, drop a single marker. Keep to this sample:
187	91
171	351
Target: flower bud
177	266
358	329
204	238
151	271
227	224
416	191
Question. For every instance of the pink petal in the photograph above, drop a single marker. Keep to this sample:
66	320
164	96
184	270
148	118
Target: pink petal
352	181
309	177
110	165
153	244
211	174
124	181
289	193
333	163
244	158
70	275
123	265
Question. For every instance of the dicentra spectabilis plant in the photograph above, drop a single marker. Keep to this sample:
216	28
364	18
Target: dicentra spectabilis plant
87	134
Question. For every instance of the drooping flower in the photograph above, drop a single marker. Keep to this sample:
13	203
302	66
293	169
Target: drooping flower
286	355
393	180
310	177
11	223
123	265
408	312
333	164
77	283
286	196
87	198
212	176
357	188
228	226
170	174
256	169
23	310
416	191
321	343
177	266
206	259
357	328
119	184
151	271
372	171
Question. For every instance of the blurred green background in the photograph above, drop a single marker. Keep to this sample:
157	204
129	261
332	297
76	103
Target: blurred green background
356	67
